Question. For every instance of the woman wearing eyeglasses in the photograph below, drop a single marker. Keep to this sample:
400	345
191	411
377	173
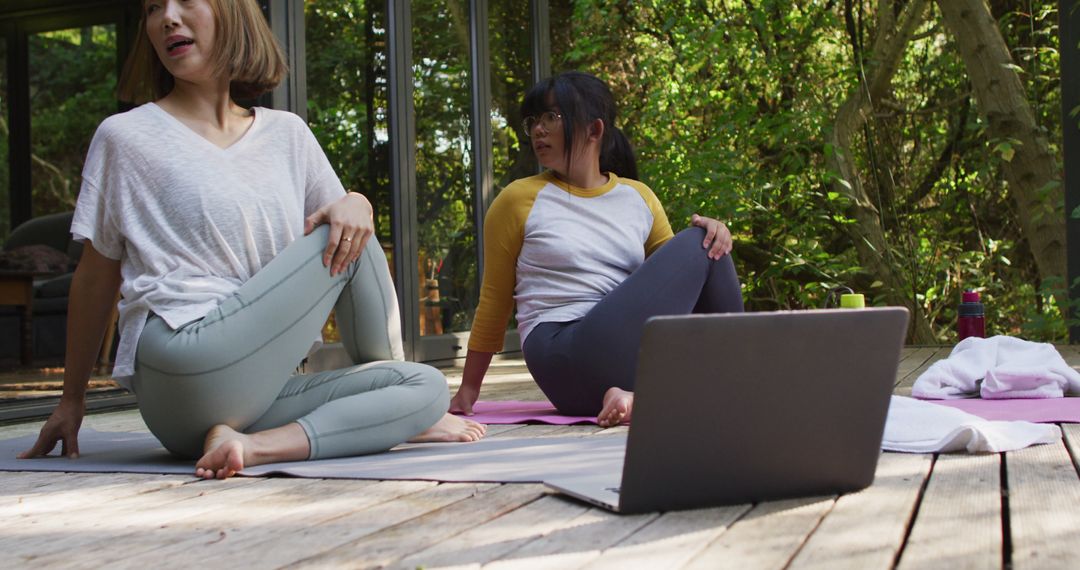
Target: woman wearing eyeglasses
586	253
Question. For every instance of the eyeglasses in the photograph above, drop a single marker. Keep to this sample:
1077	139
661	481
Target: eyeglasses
548	120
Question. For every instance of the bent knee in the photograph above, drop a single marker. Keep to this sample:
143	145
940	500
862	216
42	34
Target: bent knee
426	379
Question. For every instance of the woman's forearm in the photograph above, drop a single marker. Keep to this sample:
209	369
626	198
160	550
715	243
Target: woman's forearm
476	366
93	295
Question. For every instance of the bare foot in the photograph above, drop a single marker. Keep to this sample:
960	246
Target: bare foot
223	453
618	404
452	428
227	451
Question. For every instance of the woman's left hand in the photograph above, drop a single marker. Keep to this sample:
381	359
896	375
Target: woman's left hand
351	224
717	236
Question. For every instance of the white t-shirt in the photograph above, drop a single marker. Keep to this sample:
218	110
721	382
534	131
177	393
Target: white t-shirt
189	221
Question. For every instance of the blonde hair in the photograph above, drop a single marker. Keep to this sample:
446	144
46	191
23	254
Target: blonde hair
245	50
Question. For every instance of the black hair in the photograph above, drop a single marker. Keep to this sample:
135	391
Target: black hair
582	98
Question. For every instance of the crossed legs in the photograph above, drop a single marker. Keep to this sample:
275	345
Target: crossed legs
220	388
588	366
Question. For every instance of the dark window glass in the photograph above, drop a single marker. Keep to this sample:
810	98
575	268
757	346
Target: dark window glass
5	173
347	105
511	76
72	89
347	96
444	166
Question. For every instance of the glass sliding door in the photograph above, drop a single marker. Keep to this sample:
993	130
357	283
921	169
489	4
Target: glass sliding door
5	167
347	106
387	79
73	74
511	77
445	186
347	96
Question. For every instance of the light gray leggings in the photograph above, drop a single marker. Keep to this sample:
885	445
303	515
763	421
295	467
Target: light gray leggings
234	365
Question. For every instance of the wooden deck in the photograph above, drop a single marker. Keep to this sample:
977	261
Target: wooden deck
1017	510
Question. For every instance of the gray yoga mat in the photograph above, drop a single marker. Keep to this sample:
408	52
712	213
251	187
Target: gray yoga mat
499	460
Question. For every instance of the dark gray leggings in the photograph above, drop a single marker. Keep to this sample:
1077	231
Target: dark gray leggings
576	362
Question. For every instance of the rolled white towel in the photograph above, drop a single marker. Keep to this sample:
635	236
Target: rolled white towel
998	367
921	427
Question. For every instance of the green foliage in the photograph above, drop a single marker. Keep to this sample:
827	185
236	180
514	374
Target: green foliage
72	83
347	96
72	80
729	103
348	112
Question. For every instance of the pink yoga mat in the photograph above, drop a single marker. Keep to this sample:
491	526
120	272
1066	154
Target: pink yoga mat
518	412
1047	410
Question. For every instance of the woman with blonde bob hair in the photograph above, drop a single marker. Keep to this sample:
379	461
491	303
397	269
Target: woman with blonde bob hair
230	238
246	52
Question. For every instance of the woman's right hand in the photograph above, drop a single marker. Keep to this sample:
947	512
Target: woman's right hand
90	307
62	426
476	365
462	402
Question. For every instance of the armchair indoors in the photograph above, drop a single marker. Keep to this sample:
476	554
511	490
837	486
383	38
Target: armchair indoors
42	244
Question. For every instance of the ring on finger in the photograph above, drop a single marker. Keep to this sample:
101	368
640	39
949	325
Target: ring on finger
348	239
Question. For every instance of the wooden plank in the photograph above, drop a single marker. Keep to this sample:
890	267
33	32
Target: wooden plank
497	538
907	352
126	421
87	490
959	520
1071	433
907	380
222	508
912	358
18	430
766	537
300	540
393	543
576	542
72	529
866	530
549	430
500	430
1044	507
519	390
224	527
272	522
1071	354
13	484
671	540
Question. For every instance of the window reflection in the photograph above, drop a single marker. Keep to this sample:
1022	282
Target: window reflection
347	96
347	103
511	77
444	163
5	173
72	89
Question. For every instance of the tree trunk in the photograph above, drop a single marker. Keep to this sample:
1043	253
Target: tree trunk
1032	173
869	235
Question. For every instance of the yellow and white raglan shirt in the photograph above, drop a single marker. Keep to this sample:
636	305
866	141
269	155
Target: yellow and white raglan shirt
557	250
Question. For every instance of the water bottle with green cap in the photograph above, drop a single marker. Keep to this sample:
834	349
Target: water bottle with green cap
849	299
852	301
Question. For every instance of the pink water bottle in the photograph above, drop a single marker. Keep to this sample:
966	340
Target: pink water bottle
971	319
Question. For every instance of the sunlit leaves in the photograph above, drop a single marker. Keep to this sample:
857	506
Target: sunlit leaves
728	103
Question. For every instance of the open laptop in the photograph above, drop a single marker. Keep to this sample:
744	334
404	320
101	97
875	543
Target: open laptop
739	408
